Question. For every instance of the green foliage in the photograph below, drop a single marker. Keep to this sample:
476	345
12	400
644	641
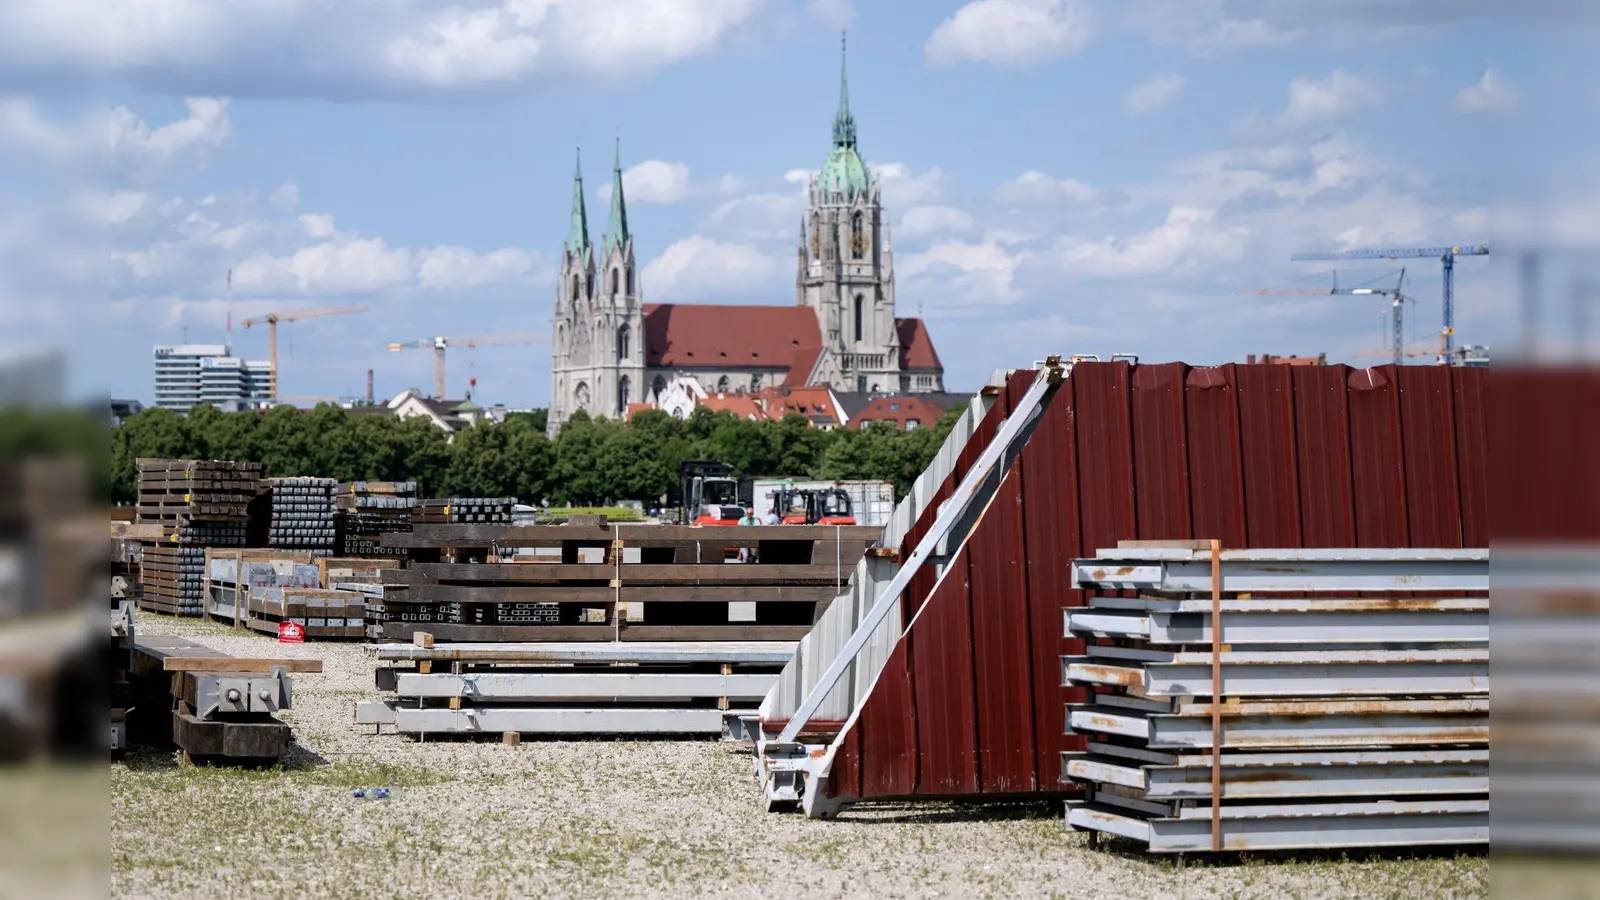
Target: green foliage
593	462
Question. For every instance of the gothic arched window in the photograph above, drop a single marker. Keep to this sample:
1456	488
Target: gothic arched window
861	304
722	385
624	385
616	281
858	237
622	344
575	290
630	282
658	387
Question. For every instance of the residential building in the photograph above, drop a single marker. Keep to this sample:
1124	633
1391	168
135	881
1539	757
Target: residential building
613	351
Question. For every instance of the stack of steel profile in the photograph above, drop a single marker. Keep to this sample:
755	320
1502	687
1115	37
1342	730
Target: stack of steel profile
1342	702
464	511
302	515
675	688
198	504
368	509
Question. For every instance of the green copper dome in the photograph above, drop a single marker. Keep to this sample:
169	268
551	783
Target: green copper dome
844	171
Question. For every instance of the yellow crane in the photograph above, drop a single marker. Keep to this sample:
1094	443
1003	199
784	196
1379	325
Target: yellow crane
440	344
272	319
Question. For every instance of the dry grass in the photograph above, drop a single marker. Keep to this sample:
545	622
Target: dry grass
623	818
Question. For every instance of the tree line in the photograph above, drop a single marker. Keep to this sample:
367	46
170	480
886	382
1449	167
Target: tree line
591	462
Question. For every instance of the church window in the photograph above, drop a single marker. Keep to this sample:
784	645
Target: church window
858	237
575	289
816	236
624	385
860	314
629	279
658	387
722	385
616	281
622	344
755	382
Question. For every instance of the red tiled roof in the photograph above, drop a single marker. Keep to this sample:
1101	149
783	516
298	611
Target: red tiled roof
804	360
740	405
910	407
635	408
699	335
916	347
815	403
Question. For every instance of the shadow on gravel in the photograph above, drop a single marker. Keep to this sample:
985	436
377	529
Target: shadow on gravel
1134	850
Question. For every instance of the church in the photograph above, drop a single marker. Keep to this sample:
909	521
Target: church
612	350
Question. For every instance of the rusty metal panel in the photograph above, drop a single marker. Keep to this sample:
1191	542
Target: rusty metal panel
942	684
1322	440
1105	453
1428	443
1377	458
1052	539
1268	455
1215	477
1160	452
1003	644
1472	452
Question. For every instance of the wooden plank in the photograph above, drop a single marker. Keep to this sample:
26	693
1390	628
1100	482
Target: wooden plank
138	531
597	595
422	639
479	535
443	631
238	664
691	573
714	632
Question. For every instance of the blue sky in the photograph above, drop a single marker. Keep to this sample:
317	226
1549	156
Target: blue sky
1062	176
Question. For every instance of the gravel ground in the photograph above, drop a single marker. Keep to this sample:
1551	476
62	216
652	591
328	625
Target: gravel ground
617	819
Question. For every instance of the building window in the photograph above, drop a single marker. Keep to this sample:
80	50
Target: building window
629	278
861	304
622	344
905	383
858	238
894	407
861	384
755	382
911	424
624	386
575	289
658	387
722	385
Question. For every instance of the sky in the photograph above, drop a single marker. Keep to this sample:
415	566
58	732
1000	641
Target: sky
1062	176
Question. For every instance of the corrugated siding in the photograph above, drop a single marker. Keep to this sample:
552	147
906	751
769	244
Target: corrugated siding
971	703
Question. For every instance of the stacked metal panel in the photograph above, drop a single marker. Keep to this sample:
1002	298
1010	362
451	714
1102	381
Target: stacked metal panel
1344	702
302	515
464	510
368	509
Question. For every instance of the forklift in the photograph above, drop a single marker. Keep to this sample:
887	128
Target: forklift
710	493
813	506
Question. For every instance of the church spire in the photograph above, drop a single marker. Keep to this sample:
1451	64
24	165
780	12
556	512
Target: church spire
617	227
844	124
578	228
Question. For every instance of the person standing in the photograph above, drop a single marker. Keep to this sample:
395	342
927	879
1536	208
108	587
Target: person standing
748	554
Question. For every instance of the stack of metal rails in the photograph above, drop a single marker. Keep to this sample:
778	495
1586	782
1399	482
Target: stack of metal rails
368	509
464	511
261	589
618	582
1342	702
302	515
677	688
197	504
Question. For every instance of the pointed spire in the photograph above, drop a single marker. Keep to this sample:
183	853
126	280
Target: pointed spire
578	228
844	124
617	226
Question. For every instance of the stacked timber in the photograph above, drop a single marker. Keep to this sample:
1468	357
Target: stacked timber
1298	699
197	504
368	509
618	582
302	514
464	511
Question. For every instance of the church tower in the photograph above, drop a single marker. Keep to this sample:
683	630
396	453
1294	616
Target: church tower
571	356
846	267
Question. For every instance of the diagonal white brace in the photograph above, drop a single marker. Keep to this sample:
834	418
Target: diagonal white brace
951	513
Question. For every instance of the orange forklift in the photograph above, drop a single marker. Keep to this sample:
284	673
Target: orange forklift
808	506
710	493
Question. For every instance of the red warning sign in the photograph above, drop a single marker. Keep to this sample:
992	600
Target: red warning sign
291	633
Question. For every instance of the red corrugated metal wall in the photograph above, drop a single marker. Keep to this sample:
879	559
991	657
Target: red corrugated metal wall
970	701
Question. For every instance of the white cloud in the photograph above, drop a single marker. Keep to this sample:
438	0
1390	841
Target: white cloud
1011	33
119	139
970	275
1153	93
1188	238
1034	186
834	13
317	225
313	47
903	189
460	267
1317	99
698	266
652	181
925	221
1490	96
205	128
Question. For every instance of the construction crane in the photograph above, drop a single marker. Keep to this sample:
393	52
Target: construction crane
440	344
1397	307
272	319
1446	255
